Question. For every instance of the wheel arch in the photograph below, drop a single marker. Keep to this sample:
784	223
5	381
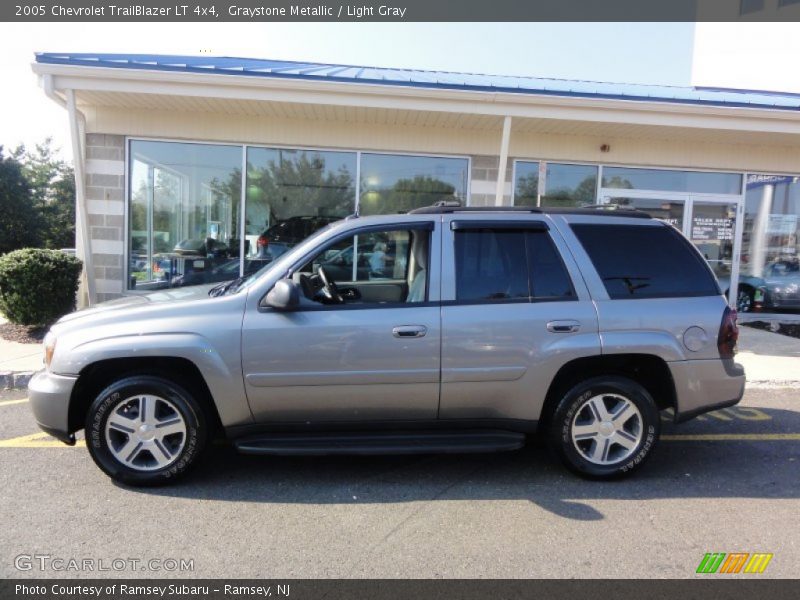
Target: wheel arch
649	370
97	376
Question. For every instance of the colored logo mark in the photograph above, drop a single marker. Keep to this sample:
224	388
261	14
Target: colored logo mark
735	562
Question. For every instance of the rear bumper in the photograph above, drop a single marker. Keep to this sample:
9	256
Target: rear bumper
705	385
49	396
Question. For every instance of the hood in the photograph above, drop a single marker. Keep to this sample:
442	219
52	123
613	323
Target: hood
782	281
181	294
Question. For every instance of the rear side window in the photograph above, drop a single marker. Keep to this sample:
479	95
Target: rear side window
509	264
646	262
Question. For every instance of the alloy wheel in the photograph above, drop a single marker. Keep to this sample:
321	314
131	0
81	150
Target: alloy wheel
145	432
607	429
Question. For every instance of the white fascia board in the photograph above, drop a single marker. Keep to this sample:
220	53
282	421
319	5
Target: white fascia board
369	95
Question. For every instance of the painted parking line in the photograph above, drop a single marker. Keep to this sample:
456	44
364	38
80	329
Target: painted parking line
37	440
9	402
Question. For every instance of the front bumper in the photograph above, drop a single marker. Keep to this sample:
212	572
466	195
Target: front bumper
49	396
705	385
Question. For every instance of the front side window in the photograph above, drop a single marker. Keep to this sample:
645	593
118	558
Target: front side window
369	268
509	265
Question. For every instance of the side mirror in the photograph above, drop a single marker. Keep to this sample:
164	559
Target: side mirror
284	296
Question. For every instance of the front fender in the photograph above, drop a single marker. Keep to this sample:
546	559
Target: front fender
218	363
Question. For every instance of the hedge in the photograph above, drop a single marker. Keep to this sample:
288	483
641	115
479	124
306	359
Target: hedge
38	286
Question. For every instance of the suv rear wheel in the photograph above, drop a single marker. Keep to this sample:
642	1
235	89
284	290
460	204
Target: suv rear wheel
145	430
605	427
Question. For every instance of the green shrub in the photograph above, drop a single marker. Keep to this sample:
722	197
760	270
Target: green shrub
38	286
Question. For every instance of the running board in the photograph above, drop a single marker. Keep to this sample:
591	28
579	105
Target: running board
370	443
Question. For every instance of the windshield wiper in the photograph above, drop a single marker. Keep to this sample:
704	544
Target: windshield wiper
628	281
228	286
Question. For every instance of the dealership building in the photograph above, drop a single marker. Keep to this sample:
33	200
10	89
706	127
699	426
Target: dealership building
176	150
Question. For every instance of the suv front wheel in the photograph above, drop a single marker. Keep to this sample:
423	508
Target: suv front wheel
145	430
605	427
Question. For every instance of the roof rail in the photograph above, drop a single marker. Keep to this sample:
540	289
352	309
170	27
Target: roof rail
609	210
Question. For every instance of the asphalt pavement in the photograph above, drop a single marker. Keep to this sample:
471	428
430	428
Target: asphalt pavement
727	482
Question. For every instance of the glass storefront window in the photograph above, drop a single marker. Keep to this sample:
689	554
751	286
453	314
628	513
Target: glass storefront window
392	183
668	211
564	184
770	263
184	211
293	193
526	184
665	180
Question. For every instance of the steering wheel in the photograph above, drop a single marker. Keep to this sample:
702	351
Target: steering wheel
329	287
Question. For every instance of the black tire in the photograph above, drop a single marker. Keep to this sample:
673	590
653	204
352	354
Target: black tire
121	392
572	407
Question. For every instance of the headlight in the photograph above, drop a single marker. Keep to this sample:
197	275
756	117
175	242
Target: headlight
49	348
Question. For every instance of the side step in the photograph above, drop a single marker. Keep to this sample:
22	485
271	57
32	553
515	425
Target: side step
369	443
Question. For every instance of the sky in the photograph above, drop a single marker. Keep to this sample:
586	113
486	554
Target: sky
659	53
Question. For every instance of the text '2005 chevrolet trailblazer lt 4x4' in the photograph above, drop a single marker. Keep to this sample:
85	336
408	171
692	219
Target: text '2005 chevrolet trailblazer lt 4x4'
447	329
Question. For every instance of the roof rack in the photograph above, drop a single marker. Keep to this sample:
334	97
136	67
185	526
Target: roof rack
608	210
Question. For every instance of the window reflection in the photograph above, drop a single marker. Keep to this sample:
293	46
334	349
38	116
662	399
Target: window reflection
564	184
293	193
770	262
672	180
184	213
393	183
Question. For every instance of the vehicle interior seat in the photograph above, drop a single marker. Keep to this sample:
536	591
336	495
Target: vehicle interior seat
419	262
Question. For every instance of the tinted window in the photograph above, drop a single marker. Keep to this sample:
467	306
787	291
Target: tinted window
491	265
549	277
508	265
646	262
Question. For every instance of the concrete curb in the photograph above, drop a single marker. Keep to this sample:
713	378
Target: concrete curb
15	380
773	384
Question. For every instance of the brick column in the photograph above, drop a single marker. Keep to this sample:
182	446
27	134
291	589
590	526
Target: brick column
105	203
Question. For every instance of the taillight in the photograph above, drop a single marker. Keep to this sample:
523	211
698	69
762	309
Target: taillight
728	334
263	241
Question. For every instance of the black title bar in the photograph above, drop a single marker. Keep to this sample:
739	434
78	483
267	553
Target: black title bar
397	10
709	587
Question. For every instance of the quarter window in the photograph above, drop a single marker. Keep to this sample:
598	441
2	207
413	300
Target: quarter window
646	262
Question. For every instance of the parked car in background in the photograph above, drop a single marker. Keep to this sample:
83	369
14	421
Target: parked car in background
283	235
777	290
226	271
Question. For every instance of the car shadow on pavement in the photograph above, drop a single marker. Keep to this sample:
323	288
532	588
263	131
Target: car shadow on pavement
739	468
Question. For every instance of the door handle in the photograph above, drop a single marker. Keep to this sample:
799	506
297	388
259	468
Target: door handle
409	331
563	326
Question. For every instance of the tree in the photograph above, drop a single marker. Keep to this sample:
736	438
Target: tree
19	221
52	193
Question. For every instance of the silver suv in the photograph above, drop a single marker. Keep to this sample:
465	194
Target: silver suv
447	329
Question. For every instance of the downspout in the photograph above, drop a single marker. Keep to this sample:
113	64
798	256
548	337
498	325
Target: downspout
501	169
77	125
